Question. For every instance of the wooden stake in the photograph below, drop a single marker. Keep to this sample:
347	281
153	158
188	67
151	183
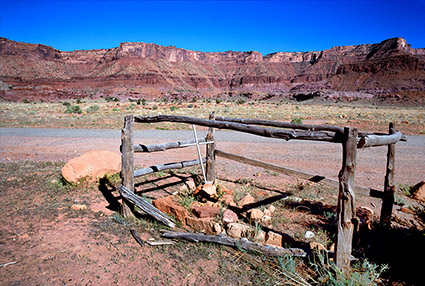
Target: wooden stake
346	210
127	159
389	188
210	154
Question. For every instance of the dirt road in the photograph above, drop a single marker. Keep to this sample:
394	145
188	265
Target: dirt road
20	144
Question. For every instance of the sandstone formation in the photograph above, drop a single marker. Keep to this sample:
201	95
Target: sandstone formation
91	166
143	70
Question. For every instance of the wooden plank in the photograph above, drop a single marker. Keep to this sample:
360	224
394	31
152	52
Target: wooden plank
364	133
239	243
260	131
165	146
389	187
167	166
283	124
127	161
210	152
146	207
379	140
295	173
346	210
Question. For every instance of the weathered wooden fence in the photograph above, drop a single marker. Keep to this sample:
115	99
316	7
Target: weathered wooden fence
350	138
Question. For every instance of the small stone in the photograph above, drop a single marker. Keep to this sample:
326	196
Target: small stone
237	230
228	200
317	246
256	214
209	189
406	210
229	216
273	238
308	234
168	206
217	228
205	211
260	237
77	207
248	199
191	185
267	212
226	190
266	218
418	191
272	208
201	224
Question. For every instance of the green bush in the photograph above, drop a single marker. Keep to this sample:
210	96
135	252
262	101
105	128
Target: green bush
73	109
93	109
297	120
172	108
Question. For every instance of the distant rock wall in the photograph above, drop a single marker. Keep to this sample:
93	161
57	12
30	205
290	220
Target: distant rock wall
387	67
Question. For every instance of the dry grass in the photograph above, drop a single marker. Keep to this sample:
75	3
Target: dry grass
103	114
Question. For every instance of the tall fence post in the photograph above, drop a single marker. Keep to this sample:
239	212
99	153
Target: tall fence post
210	174
127	159
346	210
389	188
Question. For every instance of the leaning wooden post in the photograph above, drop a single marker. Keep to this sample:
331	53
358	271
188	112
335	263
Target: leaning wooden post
389	188
127	159
210	152
346	210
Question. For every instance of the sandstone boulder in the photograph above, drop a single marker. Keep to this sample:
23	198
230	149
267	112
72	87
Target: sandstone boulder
206	225
256	214
92	166
205	211
248	199
237	230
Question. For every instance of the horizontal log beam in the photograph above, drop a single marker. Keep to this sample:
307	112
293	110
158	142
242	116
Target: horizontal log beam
146	207
283	124
239	243
379	140
260	131
295	173
165	146
167	166
403	138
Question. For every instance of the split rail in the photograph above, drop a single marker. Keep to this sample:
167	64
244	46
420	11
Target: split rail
350	138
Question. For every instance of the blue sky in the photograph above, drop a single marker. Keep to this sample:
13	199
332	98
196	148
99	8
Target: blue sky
213	26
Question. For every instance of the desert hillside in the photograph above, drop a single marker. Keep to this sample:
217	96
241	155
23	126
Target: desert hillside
389	70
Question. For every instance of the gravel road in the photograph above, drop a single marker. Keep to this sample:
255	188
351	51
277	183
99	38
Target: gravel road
18	144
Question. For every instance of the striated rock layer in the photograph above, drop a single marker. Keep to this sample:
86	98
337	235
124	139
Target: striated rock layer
149	70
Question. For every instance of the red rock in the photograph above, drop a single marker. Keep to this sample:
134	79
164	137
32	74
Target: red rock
229	216
273	238
168	206
92	166
248	199
205	211
225	190
418	191
206	225
406	210
256	214
228	200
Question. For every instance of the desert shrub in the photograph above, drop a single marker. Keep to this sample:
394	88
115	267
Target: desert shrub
26	100
297	120
66	103
190	106
93	109
240	101
218	101
73	109
155	107
172	108
111	98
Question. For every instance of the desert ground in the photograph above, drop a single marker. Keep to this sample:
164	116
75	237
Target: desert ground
46	240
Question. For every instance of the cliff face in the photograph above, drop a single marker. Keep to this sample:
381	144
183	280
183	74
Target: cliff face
387	67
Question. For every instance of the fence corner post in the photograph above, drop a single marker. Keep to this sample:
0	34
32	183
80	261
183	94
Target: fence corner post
210	165
389	187
346	210
127	160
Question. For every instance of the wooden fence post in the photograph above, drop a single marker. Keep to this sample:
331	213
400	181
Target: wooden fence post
210	174
127	159
389	188
346	210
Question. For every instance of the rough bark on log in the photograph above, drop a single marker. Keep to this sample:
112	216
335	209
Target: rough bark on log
167	166
210	152
364	133
298	174
283	124
379	140
240	243
346	211
146	207
260	131
127	162
165	146
389	187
